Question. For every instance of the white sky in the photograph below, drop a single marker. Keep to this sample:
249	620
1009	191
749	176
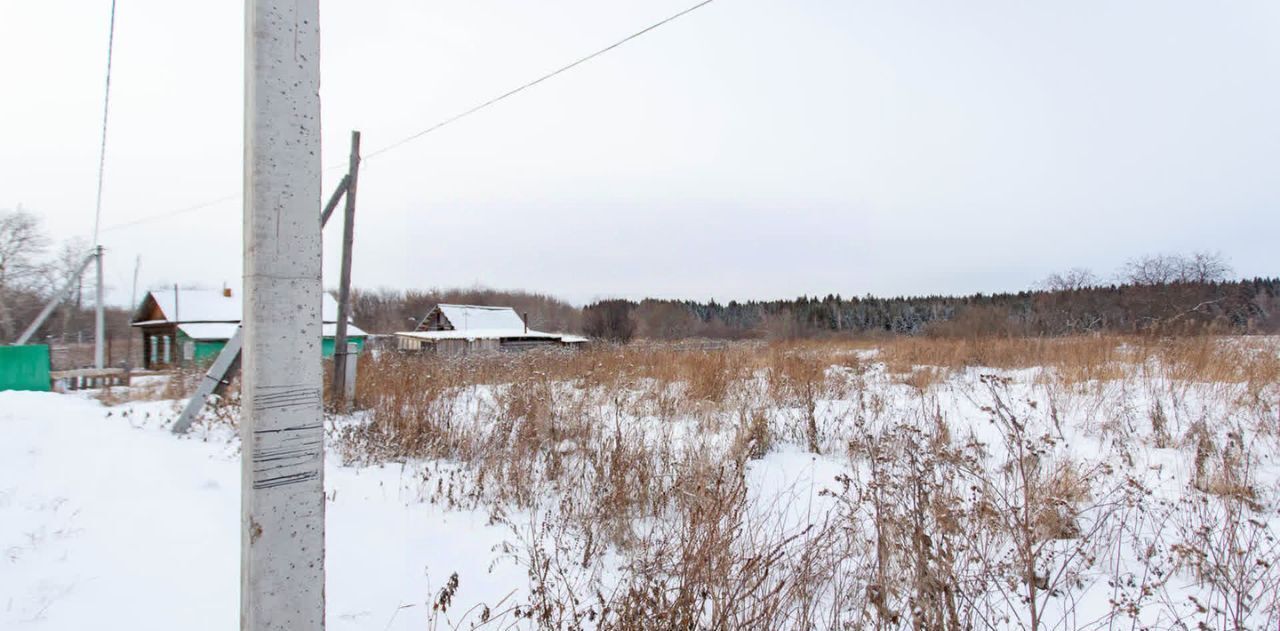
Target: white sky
753	149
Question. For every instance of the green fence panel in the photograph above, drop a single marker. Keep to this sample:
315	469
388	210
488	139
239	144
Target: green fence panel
24	367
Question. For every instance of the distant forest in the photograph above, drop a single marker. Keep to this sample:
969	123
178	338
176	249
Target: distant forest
1246	306
1169	294
1165	293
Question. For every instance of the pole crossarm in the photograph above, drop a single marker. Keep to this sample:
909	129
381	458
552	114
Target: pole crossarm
334	199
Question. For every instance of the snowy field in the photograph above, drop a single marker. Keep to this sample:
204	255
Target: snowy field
108	521
750	488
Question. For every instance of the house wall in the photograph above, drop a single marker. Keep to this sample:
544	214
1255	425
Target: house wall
465	346
157	353
515	345
201	352
326	345
435	321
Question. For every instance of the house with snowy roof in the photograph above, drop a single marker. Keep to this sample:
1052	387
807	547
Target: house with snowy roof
461	329
184	327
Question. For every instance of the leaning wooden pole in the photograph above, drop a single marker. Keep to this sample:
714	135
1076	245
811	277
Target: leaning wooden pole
282	483
344	283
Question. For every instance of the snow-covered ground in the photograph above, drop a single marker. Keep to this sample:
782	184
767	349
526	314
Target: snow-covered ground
107	520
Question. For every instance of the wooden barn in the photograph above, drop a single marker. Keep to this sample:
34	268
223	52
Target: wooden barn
463	329
185	327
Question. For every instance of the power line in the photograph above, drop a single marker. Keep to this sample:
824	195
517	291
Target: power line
407	139
106	109
172	213
530	84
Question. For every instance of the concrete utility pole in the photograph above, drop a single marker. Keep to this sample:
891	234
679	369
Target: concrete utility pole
340	376
282	436
99	321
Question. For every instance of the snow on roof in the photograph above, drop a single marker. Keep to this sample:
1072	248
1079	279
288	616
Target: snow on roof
330	329
471	317
209	330
212	305
478	334
224	330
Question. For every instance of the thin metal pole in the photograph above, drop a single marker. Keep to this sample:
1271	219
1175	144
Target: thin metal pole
133	304
175	356
344	283
99	321
63	294
282	435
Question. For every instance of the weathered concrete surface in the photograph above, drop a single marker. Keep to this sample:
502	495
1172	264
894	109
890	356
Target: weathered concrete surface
282	545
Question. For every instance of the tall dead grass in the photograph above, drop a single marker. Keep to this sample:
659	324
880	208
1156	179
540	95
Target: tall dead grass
623	474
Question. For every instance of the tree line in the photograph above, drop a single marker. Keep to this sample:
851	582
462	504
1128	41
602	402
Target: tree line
1166	293
1171	294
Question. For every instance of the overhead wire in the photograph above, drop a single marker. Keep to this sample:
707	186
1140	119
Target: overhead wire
106	110
455	118
437	126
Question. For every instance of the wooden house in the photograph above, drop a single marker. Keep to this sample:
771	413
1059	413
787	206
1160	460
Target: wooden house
185	327
463	329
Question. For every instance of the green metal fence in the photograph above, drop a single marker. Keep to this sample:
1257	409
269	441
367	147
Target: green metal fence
24	367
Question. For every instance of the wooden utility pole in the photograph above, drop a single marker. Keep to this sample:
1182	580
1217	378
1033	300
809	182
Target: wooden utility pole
340	385
282	435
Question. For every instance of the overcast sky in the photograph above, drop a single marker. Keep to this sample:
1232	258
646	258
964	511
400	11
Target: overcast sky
752	149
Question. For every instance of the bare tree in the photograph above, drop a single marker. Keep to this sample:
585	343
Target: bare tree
1073	279
664	320
64	266
1204	267
1153	269
22	243
609	320
1163	269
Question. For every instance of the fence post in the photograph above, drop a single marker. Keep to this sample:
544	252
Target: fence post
349	385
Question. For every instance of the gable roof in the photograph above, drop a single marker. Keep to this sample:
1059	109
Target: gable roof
205	305
474	317
474	322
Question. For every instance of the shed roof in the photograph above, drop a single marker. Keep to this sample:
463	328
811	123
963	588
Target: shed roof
479	334
473	317
475	322
207	305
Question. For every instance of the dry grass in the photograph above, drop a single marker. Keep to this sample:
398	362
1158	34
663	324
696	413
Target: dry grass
623	474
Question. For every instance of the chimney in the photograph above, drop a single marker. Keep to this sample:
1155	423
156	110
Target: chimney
526	323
